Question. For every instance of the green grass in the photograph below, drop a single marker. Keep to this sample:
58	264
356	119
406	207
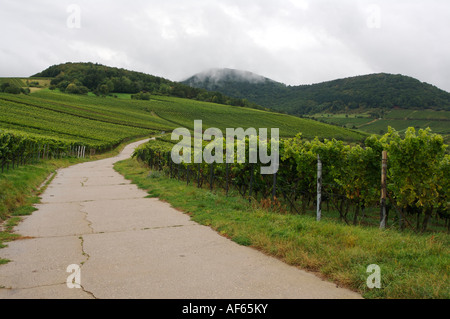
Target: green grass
412	266
19	185
19	191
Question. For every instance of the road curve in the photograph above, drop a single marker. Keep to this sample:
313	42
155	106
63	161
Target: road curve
131	247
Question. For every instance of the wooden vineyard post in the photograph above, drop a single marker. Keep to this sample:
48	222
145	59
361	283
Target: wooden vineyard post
319	188
383	191
159	161
211	176
227	174
250	191
274	187
187	174
170	164
198	175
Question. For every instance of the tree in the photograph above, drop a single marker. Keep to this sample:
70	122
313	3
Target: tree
164	89
141	96
12	89
103	89
3	86
63	85
72	88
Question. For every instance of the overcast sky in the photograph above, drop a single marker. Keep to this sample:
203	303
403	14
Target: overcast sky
291	41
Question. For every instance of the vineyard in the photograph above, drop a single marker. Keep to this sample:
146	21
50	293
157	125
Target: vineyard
168	113
51	124
417	178
18	149
56	123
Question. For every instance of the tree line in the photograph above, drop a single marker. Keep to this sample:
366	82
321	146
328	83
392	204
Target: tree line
376	91
81	78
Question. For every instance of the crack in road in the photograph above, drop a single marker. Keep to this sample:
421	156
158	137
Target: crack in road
90	201
112	232
139	258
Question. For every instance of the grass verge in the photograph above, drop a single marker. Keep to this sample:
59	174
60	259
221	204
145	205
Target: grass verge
20	189
412	266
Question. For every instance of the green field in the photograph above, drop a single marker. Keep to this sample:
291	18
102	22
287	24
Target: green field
419	115
439	127
103	121
400	120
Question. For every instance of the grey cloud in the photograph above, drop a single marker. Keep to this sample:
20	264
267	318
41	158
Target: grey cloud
290	41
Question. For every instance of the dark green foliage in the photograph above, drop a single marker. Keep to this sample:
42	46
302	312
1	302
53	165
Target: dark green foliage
13	88
376	91
103	80
145	96
10	88
76	89
33	84
417	173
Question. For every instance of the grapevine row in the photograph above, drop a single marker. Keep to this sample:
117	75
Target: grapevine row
20	149
418	175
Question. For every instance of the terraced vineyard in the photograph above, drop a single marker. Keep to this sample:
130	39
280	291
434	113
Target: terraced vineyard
25	114
14	81
102	122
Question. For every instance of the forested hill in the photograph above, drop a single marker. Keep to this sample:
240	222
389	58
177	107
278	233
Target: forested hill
241	84
382	90
81	78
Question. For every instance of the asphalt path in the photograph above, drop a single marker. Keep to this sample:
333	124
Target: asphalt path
96	235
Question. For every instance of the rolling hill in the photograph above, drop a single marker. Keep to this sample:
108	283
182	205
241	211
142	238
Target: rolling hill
375	91
102	122
369	103
81	78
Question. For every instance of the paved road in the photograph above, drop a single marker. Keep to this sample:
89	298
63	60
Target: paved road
129	246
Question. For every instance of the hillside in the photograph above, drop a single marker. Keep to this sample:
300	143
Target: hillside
102	122
241	84
376	91
81	78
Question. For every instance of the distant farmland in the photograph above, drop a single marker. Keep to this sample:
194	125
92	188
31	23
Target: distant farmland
437	121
